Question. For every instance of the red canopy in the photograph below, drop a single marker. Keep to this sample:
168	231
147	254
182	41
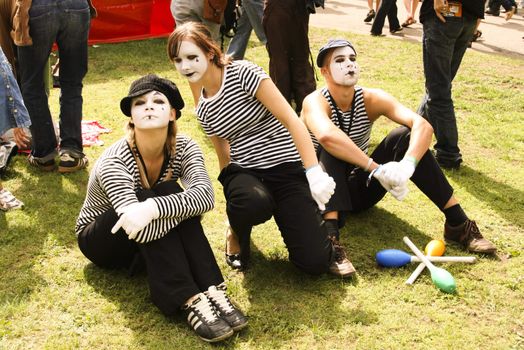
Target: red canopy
124	20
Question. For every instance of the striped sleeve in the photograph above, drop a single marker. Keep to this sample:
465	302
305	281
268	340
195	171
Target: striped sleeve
198	196
250	76
117	181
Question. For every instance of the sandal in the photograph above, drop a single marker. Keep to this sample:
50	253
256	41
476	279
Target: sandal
408	22
476	35
233	260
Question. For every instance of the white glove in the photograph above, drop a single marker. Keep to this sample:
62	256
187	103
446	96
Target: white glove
136	216
321	185
399	192
398	173
378	174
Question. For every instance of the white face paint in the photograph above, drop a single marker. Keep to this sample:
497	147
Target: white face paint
151	111
191	61
344	67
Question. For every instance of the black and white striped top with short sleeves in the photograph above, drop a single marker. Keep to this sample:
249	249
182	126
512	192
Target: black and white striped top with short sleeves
256	138
115	179
358	126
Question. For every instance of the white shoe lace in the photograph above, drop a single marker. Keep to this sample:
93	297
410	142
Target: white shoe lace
219	297
204	307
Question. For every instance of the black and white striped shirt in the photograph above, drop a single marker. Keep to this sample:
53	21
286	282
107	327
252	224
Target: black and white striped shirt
115	179
360	126
256	138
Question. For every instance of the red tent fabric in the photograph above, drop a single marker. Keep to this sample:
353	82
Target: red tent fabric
124	20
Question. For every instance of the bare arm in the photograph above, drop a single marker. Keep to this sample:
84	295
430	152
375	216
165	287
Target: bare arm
439	6
316	115
222	149
269	95
379	102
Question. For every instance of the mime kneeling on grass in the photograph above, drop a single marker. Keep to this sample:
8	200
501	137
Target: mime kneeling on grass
340	117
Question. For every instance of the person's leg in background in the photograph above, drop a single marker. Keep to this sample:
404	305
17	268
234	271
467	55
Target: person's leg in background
277	21
72	47
444	45
44	26
380	18
251	19
302	72
394	24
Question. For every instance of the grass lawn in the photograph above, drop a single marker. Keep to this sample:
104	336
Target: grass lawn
52	297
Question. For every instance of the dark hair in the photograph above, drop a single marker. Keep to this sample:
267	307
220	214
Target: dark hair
200	35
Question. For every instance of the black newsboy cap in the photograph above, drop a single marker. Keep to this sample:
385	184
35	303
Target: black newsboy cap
331	44
151	82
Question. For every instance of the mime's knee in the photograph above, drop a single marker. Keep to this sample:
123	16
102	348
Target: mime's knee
256	206
313	263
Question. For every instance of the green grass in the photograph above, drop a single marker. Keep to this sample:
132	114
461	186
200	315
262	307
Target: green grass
51	297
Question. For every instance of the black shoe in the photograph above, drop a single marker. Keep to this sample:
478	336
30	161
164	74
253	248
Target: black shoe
203	318
69	164
44	166
451	164
371	14
233	260
492	13
396	30
224	308
376	34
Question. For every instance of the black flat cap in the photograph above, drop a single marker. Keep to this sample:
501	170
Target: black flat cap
151	82
331	44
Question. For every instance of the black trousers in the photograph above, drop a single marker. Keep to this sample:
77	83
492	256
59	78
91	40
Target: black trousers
254	195
352	194
286	24
179	265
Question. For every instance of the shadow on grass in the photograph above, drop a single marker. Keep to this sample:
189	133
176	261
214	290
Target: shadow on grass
44	218
151	329
507	201
376	229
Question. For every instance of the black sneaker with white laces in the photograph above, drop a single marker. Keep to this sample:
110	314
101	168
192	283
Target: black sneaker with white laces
225	309
43	166
69	163
203	318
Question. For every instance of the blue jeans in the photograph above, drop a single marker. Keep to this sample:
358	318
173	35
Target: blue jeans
251	18
444	45
12	109
387	8
65	22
